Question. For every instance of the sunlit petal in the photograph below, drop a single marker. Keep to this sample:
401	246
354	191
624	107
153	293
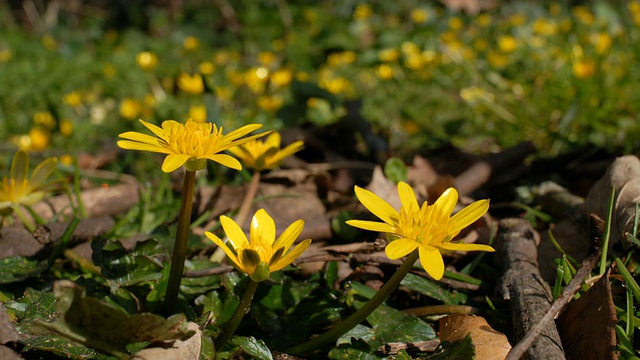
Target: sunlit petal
376	205
466	247
226	160
174	161
290	257
155	129
243	131
468	215
431	261
263	229
447	201
139	137
236	236
273	140
408	197
243	140
132	145
399	248
289	235
372	225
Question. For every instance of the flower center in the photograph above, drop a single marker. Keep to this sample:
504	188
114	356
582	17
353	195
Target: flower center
428	226
197	140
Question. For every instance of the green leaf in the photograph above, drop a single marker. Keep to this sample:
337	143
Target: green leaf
628	279
253	347
124	268
199	285
18	268
358	350
433	290
103	326
395	170
360	331
461	350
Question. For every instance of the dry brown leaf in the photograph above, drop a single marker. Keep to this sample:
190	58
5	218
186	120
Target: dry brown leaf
588	325
624	175
490	344
188	349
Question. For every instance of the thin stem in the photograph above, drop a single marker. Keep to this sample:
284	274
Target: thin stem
182	240
362	313
242	309
243	212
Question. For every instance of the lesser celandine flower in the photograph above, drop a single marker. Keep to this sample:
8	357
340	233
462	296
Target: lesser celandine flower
21	190
262	253
192	84
146	60
191	144
263	155
429	228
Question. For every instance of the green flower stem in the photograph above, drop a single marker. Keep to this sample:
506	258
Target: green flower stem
182	240
243	212
359	316
242	309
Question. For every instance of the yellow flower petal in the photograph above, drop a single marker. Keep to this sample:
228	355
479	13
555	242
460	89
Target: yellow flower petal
273	140
174	161
408	197
289	236
159	132
447	201
431	261
243	131
139	137
42	172
468	215
130	145
232	256
226	160
244	140
376	205
371	225
399	248
466	247
236	236
19	166
263	229
290	257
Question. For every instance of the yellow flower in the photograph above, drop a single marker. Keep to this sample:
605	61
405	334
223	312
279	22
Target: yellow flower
419	16
389	55
191	43
207	68
72	99
583	69
66	127
147	60
270	103
38	139
260	255
281	78
19	189
384	72
130	108
5	55
507	43
261	155
191	144
44	118
429	228
191	84
198	113
362	12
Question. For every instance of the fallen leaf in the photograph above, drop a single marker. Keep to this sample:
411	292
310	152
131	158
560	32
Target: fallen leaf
587	326
188	349
384	188
490	344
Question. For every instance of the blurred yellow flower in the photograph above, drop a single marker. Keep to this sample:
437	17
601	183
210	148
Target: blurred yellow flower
207	68
44	119
66	159
130	109
602	42
5	55
543	26
265	155
21	190
266	58
473	95
66	127
507	43
484	19
223	94
262	253
270	103
38	139
384	72
198	113
336	85
281	78
191	144
419	16
72	99
584	15
256	79
109	71
49	42
341	58
192	84
583	69
429	228
497	60
147	60
362	12
389	55
517	19
455	23
191	43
